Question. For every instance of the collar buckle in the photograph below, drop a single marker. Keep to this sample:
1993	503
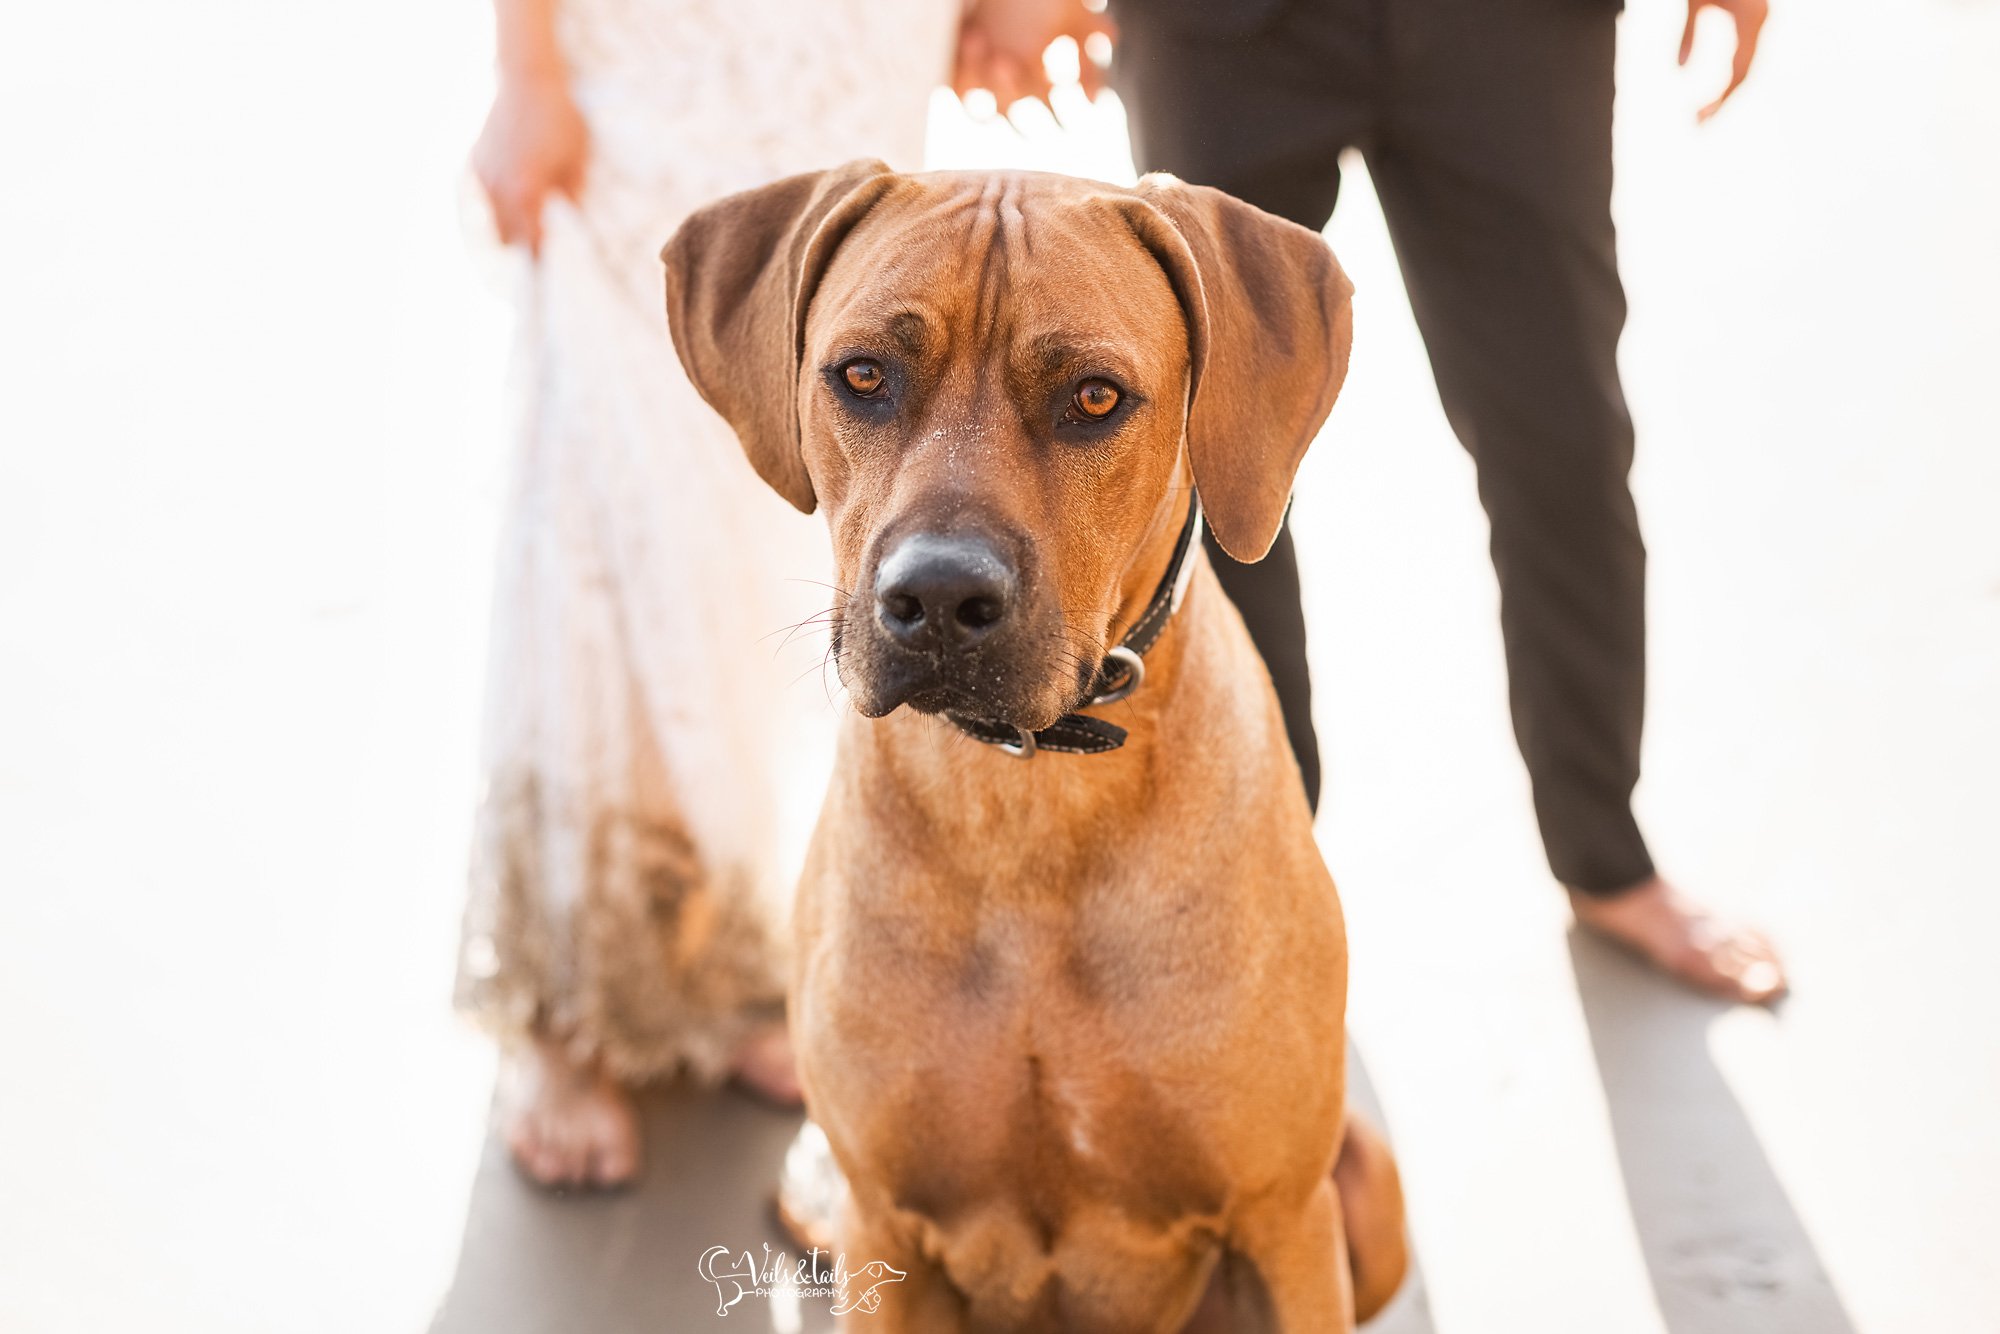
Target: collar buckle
1129	680
1022	749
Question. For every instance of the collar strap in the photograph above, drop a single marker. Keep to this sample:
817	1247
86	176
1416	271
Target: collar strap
1123	668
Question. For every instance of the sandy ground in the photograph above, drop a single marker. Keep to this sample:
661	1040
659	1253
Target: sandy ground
247	484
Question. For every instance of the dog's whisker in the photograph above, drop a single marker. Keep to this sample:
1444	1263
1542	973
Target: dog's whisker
821	583
831	658
827	619
817	618
819	667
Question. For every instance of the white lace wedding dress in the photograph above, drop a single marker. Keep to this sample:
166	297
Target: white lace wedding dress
652	756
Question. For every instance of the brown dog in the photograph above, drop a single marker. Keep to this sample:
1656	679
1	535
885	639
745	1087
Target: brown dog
1074	1027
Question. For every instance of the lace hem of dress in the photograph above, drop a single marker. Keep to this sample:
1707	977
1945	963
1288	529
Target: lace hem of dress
657	967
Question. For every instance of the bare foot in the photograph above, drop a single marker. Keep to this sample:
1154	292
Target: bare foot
567	1124
1683	940
765	1065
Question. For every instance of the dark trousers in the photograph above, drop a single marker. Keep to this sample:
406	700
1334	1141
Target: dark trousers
1486	127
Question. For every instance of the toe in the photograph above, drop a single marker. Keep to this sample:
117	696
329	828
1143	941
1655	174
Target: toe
1702	968
571	1154
1754	965
525	1149
614	1148
614	1161
548	1168
540	1161
1735	966
532	1140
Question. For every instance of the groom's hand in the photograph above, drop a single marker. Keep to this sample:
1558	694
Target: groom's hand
1001	44
1749	16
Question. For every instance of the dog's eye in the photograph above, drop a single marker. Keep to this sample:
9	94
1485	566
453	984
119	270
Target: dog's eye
863	378
1096	398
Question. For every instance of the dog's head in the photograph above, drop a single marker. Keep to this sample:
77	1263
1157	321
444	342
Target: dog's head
998	388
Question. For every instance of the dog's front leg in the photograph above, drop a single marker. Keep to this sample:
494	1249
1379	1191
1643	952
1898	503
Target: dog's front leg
910	1294
1301	1254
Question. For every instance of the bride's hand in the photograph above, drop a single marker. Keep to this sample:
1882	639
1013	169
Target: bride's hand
534	143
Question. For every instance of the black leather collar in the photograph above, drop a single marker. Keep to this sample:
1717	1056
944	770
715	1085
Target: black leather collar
1123	669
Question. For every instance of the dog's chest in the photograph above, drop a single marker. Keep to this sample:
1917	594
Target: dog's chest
1022	1083
1064	1094
1065	1014
1056	1190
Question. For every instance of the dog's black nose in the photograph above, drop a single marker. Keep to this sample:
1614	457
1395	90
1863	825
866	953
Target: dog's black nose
946	592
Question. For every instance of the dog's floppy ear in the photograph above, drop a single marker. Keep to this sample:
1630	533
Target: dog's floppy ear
1270	323
740	275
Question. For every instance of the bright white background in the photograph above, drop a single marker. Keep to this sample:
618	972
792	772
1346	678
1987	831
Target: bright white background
250	455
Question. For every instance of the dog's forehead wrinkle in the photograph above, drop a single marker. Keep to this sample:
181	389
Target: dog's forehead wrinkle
997	233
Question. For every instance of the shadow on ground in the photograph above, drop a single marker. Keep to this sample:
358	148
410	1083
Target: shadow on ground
1726	1251
539	1262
